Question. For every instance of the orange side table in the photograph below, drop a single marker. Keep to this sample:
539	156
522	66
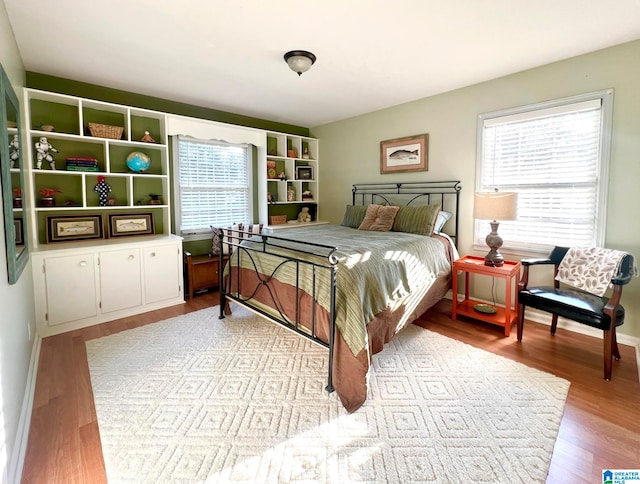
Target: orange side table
505	315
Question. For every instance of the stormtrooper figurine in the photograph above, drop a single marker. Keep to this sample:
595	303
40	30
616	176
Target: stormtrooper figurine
42	153
14	150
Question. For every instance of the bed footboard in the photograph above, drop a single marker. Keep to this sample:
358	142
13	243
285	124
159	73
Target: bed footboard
248	281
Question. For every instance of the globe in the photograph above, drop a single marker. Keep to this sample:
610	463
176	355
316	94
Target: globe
138	161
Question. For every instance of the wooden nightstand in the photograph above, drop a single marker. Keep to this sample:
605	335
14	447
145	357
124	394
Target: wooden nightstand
202	271
505	315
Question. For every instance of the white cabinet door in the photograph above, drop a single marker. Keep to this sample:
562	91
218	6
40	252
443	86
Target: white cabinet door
70	288
120	279
161	272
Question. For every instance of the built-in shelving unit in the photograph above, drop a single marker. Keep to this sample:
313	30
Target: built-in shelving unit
297	158
130	191
77	282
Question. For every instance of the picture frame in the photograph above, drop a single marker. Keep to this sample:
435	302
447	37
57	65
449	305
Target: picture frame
17	223
304	172
66	228
406	154
127	224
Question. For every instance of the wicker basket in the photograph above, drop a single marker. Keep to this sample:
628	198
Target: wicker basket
105	131
277	219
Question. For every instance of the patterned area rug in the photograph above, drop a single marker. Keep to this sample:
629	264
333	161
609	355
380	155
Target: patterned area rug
198	399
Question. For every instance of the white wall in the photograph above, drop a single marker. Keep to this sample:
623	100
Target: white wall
16	303
350	148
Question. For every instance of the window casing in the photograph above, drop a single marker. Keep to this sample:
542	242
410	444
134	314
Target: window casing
556	156
213	184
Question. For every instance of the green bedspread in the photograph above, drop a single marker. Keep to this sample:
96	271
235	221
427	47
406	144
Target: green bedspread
375	271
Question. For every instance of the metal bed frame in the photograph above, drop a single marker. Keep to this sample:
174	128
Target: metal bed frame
324	263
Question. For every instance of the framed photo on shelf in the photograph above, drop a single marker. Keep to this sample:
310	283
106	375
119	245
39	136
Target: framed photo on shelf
74	227
124	224
271	170
304	173
17	223
404	154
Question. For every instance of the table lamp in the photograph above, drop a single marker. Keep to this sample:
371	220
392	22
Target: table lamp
495	206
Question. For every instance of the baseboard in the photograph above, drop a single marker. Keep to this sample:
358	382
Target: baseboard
545	318
22	435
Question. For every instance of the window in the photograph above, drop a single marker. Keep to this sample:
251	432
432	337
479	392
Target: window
213	185
556	156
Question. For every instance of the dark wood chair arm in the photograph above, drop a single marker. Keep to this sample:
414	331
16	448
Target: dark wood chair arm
611	307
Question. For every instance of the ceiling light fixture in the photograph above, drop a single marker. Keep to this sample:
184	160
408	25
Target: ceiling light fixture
299	60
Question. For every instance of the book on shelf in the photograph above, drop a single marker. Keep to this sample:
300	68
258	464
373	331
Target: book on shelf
81	164
82	168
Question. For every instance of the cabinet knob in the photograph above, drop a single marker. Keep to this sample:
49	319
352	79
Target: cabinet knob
131	257
153	254
83	263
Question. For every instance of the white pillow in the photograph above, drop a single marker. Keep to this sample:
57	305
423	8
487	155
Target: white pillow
441	220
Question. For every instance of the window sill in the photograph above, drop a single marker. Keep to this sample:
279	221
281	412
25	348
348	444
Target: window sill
516	252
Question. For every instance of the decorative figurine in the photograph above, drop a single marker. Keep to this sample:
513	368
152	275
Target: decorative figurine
291	194
282	176
47	199
305	153
304	215
147	138
43	147
17	197
14	150
103	189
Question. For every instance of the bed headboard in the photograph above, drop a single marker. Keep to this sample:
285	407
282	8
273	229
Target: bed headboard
445	193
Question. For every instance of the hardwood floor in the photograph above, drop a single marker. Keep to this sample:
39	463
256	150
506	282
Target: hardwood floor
600	428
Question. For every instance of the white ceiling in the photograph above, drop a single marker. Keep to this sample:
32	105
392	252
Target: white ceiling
372	54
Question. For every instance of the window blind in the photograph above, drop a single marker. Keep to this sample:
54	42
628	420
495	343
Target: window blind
553	158
214	184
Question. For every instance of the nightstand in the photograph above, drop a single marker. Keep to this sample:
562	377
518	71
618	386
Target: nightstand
201	271
505	315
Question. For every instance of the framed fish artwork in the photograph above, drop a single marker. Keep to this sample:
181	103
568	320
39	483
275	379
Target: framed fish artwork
74	227
404	154
131	224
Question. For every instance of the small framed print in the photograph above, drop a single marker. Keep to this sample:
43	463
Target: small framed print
131	224
74	227
271	170
404	154
304	173
17	223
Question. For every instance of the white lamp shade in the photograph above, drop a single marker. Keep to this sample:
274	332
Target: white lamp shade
496	205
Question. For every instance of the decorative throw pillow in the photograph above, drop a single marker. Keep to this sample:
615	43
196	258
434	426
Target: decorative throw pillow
354	215
418	219
216	239
379	218
234	234
442	219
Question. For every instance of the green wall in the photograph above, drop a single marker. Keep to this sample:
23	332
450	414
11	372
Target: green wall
101	93
350	148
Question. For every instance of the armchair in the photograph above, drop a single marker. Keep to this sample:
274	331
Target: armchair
575	304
